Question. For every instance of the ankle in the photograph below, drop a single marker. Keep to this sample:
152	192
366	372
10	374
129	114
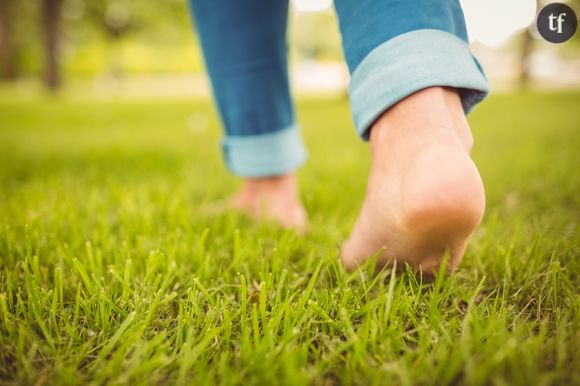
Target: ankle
432	114
287	183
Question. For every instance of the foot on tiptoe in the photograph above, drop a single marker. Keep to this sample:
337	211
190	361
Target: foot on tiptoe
273	199
424	193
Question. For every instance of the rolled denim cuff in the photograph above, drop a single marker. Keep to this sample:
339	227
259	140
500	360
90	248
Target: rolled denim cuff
411	62
265	155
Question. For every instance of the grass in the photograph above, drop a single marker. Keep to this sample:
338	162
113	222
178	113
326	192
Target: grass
115	269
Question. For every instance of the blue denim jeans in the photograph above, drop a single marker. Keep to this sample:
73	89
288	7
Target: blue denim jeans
393	48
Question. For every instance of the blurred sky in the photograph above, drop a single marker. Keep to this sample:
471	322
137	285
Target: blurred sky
493	22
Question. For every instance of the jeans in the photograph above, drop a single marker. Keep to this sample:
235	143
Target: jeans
393	48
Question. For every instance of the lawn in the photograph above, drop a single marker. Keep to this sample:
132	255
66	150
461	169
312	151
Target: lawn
116	268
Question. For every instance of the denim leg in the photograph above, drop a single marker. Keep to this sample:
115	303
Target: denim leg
394	48
245	50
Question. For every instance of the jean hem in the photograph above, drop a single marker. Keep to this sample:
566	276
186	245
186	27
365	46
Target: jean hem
411	62
265	155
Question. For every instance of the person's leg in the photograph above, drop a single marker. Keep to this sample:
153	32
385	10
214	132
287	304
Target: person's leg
413	79
244	46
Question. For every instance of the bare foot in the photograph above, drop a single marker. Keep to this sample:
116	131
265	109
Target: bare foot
272	198
424	193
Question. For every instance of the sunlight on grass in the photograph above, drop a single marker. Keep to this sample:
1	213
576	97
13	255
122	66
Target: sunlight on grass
112	271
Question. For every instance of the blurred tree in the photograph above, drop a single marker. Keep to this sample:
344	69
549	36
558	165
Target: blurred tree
315	36
528	44
526	50
51	10
48	38
156	23
115	19
8	48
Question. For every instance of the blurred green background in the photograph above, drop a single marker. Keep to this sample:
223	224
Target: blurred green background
148	48
99	44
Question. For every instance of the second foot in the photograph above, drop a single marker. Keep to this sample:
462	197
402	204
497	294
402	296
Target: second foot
272	199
